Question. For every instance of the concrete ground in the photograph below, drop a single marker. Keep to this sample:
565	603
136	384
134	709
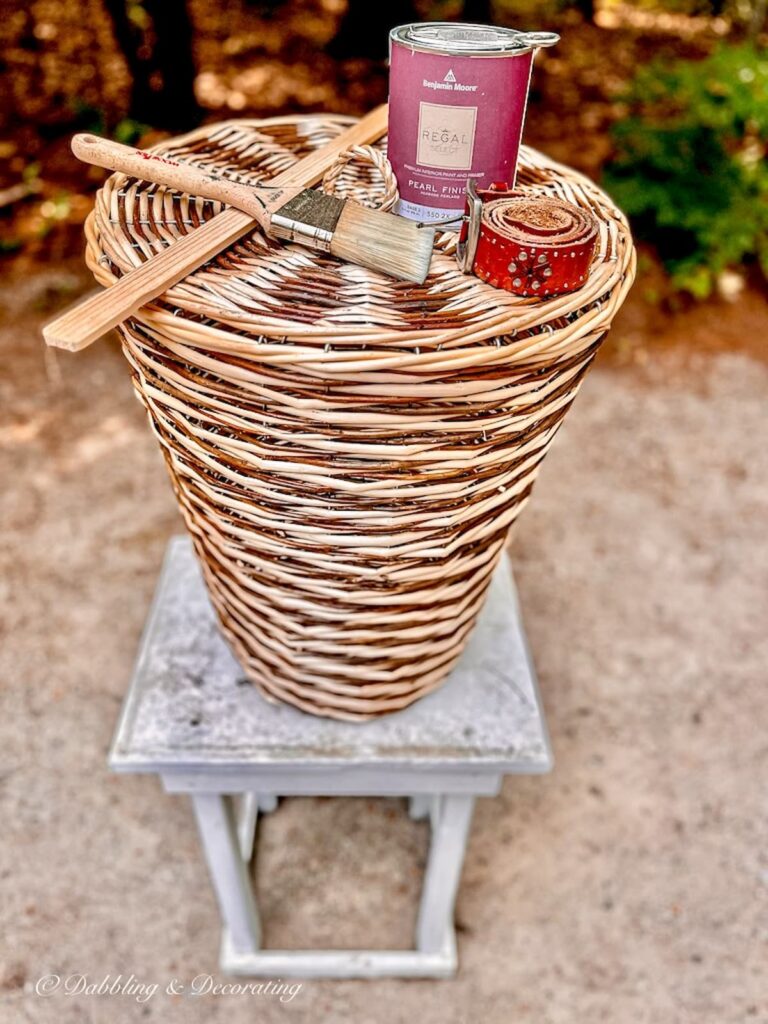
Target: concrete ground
629	885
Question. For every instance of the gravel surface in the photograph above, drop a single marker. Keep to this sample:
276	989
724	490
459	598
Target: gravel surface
629	885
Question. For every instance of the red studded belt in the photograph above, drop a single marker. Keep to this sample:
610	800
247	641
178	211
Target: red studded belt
529	245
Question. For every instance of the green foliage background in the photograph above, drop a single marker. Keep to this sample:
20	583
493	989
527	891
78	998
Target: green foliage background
690	166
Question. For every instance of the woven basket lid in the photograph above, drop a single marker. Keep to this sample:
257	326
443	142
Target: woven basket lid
334	316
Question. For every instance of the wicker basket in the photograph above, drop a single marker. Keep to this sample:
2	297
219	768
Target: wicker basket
349	452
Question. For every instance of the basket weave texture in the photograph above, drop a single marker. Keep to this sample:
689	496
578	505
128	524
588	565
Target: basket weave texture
349	452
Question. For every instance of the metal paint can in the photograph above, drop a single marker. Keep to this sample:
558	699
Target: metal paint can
457	99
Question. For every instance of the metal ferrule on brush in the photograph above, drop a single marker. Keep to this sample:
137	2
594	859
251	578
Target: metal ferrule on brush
310	218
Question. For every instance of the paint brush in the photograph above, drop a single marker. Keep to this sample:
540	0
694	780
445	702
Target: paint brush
380	241
89	319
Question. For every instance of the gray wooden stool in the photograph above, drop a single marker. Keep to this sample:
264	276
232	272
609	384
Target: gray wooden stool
191	717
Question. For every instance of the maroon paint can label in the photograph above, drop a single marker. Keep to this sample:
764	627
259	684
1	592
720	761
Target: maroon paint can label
457	99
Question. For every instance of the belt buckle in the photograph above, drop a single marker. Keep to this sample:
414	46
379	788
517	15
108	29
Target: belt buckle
470	229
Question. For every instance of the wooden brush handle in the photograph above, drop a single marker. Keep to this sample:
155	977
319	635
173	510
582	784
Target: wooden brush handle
84	323
162	170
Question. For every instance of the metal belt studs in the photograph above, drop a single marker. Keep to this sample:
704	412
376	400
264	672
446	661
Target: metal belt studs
533	246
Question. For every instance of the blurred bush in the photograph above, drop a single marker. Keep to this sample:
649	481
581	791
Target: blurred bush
690	163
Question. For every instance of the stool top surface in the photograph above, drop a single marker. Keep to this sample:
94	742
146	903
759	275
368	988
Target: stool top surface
189	705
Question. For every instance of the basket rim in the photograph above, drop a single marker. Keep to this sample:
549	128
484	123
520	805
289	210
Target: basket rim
217	317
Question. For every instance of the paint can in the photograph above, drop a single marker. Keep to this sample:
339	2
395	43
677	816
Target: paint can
457	99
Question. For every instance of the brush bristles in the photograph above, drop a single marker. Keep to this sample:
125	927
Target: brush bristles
384	242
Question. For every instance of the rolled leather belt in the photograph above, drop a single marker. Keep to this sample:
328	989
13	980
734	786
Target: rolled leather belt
533	246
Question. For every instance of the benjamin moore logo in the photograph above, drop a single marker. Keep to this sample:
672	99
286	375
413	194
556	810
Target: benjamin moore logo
449	84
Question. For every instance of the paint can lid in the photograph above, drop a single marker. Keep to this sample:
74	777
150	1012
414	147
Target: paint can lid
452	37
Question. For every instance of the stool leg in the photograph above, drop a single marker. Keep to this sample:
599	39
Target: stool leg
251	805
450	830
217	824
420	806
247	816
